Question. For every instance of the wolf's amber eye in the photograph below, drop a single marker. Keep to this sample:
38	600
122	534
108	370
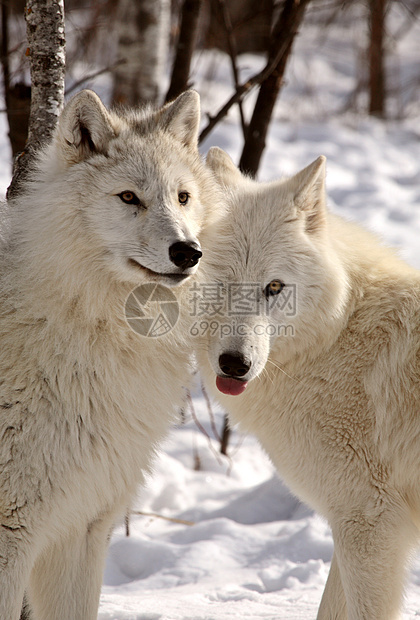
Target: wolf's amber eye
183	198
129	198
273	288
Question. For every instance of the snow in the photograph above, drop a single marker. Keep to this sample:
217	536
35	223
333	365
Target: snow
221	537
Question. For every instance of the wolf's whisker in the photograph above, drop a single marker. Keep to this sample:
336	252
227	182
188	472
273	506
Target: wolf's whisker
278	366
266	373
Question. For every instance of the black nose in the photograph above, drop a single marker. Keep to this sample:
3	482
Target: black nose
234	365
185	255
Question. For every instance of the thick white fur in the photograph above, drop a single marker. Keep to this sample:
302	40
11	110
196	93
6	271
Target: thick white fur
84	401
337	405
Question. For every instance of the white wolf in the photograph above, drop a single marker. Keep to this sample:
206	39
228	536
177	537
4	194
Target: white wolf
116	200
333	374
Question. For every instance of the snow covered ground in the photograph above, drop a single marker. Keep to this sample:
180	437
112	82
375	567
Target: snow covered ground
242	546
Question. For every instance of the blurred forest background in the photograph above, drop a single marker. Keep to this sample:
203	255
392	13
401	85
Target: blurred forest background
151	50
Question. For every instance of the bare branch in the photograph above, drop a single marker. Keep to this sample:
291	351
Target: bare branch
92	76
231	44
127	523
210	412
225	436
158	516
242	90
202	429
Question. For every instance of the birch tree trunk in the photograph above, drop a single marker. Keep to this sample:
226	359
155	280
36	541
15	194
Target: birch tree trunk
143	39
46	51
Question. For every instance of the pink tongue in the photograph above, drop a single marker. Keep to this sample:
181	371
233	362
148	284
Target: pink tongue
230	386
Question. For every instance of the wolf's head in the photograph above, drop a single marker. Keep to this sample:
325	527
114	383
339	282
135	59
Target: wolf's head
279	284
125	190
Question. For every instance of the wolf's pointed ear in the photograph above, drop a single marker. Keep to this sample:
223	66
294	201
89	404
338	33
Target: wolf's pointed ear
222	166
309	194
182	118
84	128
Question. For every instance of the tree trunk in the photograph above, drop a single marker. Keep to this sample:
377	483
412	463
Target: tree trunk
185	48
143	27
377	9
5	51
17	98
284	33
46	50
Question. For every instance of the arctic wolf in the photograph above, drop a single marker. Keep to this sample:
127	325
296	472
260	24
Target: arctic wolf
335	398
115	201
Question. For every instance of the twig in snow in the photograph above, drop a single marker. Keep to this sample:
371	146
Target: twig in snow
158	516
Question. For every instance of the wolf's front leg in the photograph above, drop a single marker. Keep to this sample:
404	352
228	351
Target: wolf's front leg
66	581
371	555
15	564
333	603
